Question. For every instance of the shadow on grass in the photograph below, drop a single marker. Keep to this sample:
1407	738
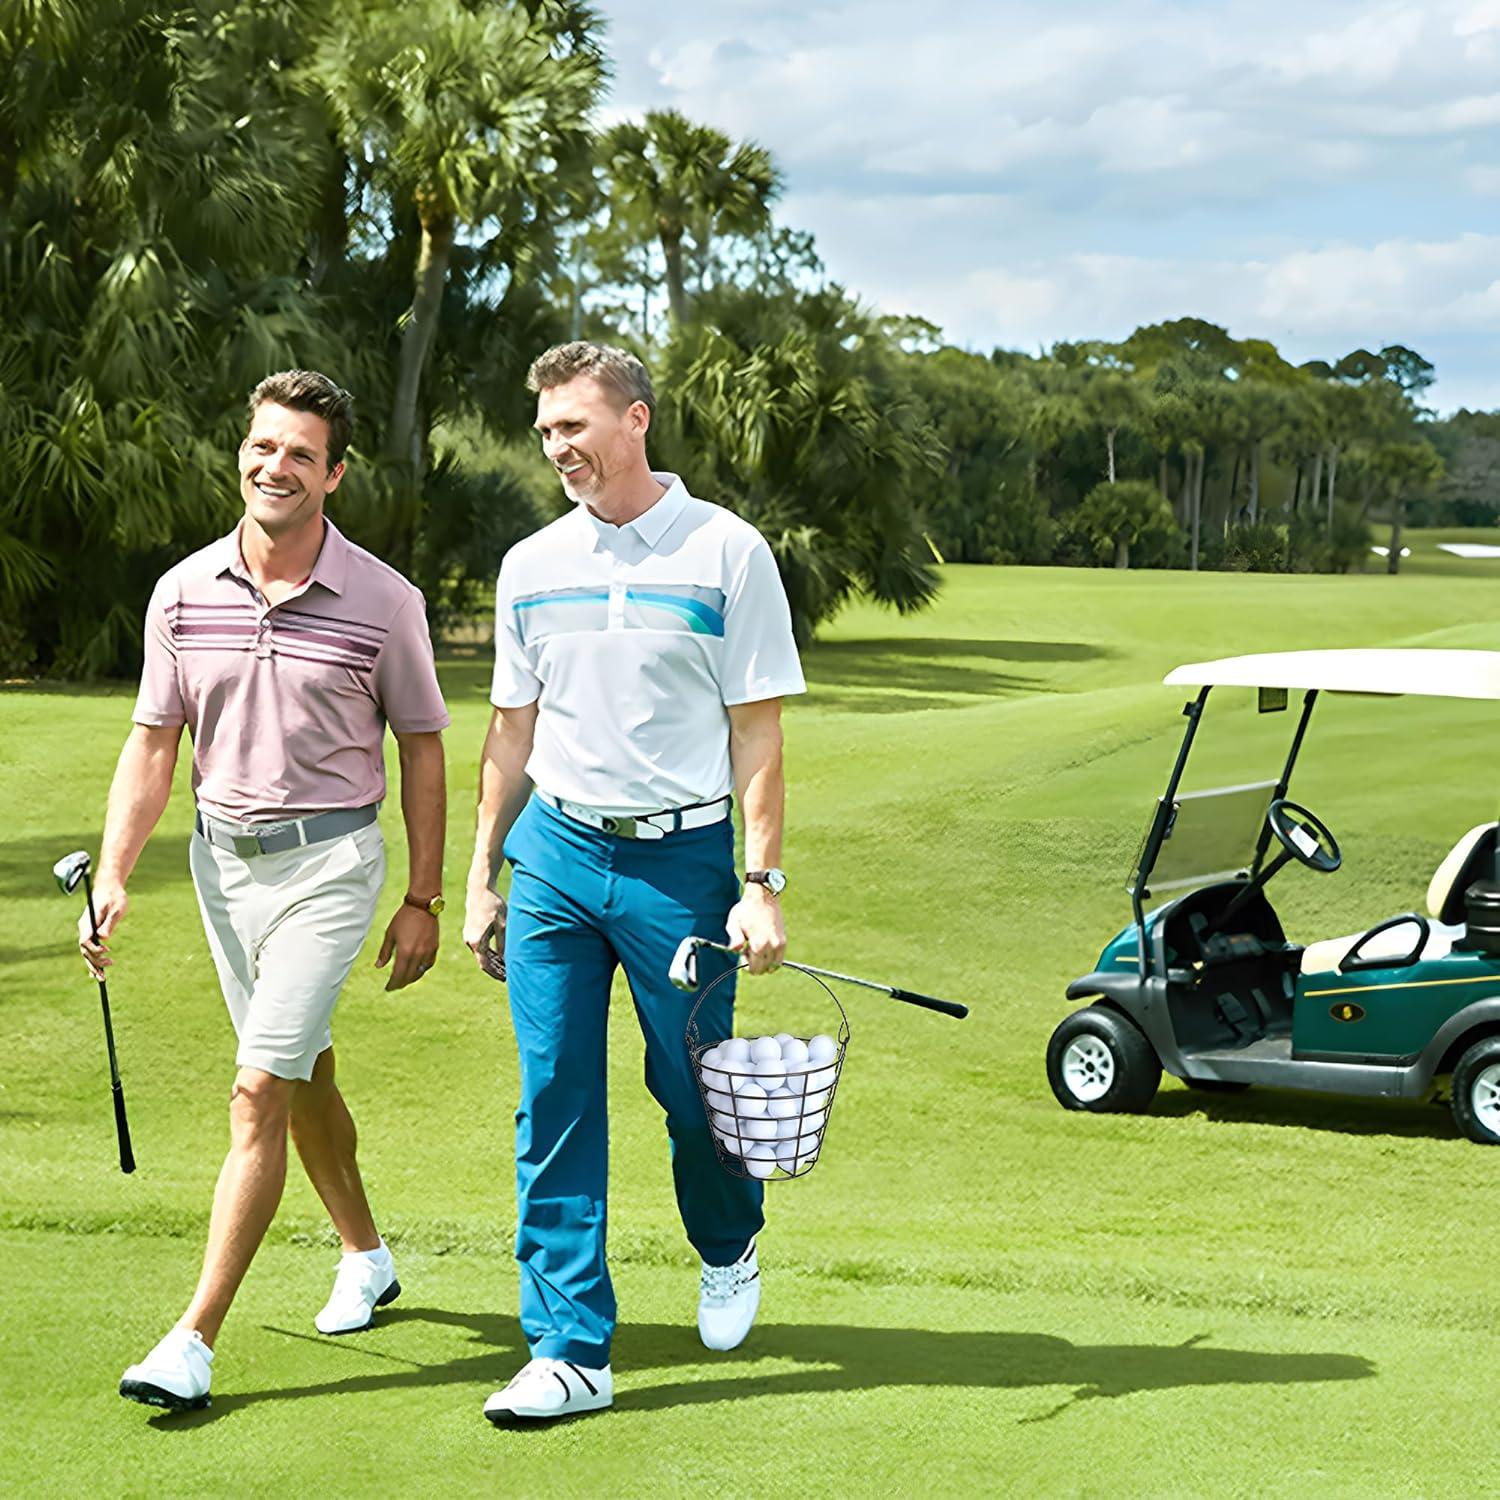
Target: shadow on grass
903	674
832	1358
1341	1113
26	865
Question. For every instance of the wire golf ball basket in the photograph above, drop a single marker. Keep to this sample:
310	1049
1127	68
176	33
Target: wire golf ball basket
768	1113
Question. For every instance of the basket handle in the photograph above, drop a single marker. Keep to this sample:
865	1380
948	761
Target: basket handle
706	990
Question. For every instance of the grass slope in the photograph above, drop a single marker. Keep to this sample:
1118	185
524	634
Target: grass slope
974	1290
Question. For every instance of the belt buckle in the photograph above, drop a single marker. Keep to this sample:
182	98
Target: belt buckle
624	828
245	844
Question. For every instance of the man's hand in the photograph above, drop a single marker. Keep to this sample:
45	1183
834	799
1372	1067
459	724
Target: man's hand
109	907
484	930
413	938
756	929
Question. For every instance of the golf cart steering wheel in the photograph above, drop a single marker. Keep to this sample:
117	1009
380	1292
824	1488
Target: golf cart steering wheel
1304	836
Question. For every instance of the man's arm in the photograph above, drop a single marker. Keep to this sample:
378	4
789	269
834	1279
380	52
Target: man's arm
755	922
503	789
137	798
412	936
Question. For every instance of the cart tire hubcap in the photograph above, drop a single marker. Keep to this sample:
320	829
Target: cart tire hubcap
1484	1095
1088	1068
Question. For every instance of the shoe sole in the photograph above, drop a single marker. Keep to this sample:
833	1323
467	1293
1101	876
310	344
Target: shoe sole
153	1395
388	1295
504	1418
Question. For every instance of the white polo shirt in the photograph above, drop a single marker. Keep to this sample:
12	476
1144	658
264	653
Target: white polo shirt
633	641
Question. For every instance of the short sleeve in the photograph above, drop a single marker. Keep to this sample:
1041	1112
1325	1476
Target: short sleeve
760	652
405	677
158	704
514	684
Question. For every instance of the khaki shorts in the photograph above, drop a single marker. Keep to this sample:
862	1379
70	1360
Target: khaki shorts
284	930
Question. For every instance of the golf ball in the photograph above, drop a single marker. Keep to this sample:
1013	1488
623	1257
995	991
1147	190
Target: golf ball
715	1078
783	1104
822	1049
821	1081
760	1129
770	1075
783	1037
735	1051
721	1101
790	1159
793	1052
725	1124
749	1099
761	1161
765	1049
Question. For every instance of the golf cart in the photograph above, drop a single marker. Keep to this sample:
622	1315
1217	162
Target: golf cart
1207	985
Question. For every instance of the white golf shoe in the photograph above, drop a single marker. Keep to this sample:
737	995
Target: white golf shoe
548	1388
366	1280
728	1297
174	1375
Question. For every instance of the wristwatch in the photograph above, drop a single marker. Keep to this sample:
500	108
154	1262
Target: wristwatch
773	879
433	907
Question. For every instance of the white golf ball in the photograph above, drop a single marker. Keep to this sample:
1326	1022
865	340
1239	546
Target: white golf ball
765	1049
789	1158
735	1052
770	1075
760	1129
724	1124
822	1049
711	1058
715	1078
721	1101
783	1037
821	1081
783	1104
749	1099
793	1053
761	1161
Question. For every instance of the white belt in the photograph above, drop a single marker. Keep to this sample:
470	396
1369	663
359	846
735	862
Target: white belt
655	825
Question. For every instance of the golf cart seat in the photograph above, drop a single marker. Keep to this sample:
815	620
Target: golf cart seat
1470	859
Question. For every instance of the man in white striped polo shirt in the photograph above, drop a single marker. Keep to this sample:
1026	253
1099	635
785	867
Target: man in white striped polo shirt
285	650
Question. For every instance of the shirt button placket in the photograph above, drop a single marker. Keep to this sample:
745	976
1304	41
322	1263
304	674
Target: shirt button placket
263	646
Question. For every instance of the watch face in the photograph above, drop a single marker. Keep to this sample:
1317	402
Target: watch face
776	880
436	905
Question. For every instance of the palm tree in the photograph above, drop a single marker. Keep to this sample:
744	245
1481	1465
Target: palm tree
672	177
472	114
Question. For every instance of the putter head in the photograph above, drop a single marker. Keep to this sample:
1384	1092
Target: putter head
684	970
69	870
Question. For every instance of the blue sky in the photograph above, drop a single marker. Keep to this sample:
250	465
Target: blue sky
1323	174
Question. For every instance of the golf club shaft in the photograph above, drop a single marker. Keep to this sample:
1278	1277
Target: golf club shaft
910	997
117	1089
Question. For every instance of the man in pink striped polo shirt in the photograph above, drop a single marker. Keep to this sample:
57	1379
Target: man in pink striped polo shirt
286	651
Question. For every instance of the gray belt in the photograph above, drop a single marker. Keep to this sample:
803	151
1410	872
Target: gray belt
655	825
249	839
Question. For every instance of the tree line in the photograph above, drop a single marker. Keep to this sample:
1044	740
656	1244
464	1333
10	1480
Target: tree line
412	197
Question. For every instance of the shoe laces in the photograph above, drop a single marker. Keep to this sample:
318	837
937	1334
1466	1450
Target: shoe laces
722	1282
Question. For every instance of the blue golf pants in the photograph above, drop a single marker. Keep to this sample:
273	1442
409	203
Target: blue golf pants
582	902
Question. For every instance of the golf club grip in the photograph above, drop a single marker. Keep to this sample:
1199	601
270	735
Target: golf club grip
930	1002
122	1130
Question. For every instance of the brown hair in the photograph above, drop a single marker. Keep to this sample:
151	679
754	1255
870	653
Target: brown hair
307	390
617	370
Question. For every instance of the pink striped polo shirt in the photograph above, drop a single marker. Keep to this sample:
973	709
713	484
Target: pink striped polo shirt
287	704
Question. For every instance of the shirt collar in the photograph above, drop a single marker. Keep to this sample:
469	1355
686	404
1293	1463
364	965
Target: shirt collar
652	524
331	568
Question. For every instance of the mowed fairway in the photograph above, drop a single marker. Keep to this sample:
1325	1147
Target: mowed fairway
974	1292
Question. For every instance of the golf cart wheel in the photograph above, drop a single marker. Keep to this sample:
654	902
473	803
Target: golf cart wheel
1476	1092
1216	1085
1098	1060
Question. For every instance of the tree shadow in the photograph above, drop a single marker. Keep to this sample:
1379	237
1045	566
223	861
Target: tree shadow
903	674
1342	1113
831	1358
26	864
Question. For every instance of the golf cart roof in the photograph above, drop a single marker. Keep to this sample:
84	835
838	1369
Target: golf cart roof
1432	674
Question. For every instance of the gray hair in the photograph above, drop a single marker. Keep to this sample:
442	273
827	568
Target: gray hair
617	370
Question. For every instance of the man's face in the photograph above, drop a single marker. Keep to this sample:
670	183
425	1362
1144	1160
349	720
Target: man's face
587	438
284	473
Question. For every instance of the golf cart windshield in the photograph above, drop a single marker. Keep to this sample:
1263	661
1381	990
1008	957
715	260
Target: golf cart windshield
1211	835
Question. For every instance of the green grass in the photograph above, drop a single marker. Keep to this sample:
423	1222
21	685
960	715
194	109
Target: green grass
974	1290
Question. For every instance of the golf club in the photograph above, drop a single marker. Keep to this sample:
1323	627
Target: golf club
684	974
68	872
